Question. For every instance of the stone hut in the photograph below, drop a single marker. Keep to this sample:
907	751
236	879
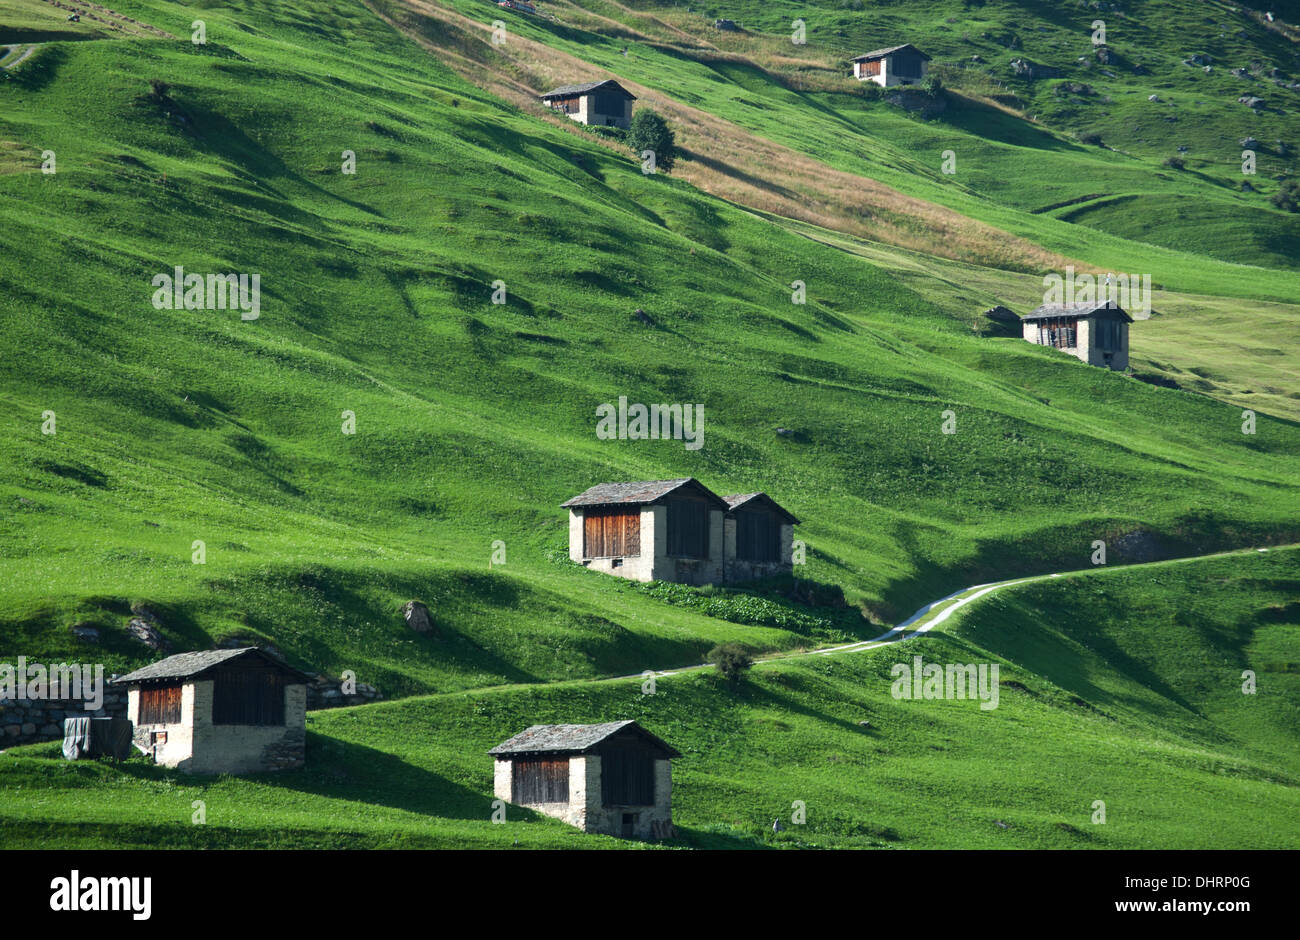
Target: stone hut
613	778
219	711
758	538
605	104
679	530
1097	332
896	65
657	530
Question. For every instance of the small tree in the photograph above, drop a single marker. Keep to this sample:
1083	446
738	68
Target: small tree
732	660
649	131
932	85
159	89
1287	196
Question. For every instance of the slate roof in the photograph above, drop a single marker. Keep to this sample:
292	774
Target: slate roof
567	91
188	665
1050	311
636	494
881	53
736	500
572	739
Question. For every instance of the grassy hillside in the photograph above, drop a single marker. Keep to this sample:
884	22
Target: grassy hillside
128	433
1118	686
776	125
475	420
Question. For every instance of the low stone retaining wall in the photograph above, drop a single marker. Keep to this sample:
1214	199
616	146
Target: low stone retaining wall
27	721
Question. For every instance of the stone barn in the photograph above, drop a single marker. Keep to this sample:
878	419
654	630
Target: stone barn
605	104
659	530
613	778
679	530
1097	333
758	538
897	65
219	711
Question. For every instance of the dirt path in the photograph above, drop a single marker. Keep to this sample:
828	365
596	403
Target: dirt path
936	612
9	63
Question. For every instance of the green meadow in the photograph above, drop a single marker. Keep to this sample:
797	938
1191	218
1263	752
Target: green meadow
1119	686
138	441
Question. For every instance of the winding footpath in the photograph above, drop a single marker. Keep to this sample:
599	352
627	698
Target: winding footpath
936	612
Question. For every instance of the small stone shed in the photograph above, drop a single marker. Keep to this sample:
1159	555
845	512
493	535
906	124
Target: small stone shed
896	65
605	104
219	711
1097	333
679	530
613	778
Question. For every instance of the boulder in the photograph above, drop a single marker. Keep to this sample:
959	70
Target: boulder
85	632
143	631
1251	102
1249	143
417	617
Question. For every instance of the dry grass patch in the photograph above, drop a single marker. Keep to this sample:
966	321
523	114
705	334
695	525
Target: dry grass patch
719	156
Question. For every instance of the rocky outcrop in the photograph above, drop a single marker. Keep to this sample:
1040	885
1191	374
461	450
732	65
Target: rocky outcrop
143	627
1032	70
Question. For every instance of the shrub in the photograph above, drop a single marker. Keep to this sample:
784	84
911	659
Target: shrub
731	660
649	131
1091	138
159	89
1288	196
932	85
1176	163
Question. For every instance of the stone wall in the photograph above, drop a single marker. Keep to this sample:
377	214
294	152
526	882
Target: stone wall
738	570
324	692
649	822
29	721
686	570
585	810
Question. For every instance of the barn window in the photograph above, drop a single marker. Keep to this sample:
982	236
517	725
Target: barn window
609	533
160	705
758	536
688	528
248	697
538	780
627	776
